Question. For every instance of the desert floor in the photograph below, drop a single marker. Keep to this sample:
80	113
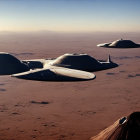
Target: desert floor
75	110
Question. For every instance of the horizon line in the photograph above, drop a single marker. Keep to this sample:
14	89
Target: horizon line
54	31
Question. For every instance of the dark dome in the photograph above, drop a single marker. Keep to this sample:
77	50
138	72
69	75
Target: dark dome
123	44
76	61
10	64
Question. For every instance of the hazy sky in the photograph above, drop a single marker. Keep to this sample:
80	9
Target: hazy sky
70	15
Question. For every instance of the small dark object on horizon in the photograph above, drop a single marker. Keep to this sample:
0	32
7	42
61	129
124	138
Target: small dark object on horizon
120	44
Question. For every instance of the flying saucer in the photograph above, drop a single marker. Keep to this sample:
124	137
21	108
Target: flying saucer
120	44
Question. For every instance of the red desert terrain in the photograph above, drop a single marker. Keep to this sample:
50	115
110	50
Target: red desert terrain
37	110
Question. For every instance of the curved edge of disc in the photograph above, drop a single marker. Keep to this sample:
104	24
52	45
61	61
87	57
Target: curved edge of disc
56	74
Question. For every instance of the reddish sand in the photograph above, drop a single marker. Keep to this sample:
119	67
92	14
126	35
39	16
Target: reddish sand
76	110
